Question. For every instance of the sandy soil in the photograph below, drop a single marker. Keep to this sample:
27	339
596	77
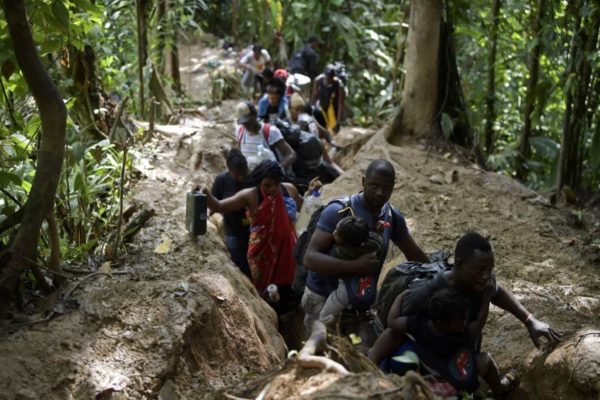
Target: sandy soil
184	323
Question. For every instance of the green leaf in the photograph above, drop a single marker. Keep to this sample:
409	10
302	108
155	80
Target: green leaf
26	186
447	125
7	178
78	151
545	146
408	357
61	12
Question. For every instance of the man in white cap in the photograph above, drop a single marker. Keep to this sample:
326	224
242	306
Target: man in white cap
260	141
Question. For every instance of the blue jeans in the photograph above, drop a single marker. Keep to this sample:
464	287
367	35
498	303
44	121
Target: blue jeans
238	248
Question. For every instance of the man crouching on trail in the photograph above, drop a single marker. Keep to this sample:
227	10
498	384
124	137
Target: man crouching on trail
324	268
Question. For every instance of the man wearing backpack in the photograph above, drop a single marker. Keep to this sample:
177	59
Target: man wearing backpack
372	204
304	61
471	277
257	141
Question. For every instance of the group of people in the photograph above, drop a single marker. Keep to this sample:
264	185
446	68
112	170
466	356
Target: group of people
440	318
277	85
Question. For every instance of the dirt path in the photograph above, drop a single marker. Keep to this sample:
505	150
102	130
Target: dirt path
186	318
184	322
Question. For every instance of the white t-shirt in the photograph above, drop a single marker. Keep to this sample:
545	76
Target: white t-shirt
259	64
250	143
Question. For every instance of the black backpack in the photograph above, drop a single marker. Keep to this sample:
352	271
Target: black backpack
297	64
307	145
310	149
401	276
304	240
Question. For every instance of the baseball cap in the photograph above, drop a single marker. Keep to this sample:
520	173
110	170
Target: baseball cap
296	101
245	112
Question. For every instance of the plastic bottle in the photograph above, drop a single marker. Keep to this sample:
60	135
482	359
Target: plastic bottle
273	293
311	203
262	154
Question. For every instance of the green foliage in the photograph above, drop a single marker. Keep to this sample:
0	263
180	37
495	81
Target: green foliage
362	34
473	33
86	196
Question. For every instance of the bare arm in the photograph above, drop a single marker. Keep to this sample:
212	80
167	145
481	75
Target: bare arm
234	203
476	327
508	302
287	153
294	195
395	311
385	345
411	250
315	94
340	102
318	260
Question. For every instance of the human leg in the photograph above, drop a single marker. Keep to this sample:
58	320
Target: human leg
238	249
488	370
312	303
334	305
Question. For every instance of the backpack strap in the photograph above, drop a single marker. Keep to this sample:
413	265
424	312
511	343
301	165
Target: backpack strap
267	132
240	135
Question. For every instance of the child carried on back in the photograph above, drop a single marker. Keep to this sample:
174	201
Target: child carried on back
446	345
353	239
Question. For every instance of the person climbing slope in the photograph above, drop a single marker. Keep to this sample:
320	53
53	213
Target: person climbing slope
236	224
271	208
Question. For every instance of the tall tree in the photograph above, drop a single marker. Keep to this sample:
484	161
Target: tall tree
490	103
579	73
142	8
432	99
534	68
53	114
416	115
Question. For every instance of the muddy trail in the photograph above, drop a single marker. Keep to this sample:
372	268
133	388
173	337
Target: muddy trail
179	321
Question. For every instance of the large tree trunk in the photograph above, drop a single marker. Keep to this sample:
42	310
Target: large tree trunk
53	114
432	85
585	37
490	100
416	115
534	68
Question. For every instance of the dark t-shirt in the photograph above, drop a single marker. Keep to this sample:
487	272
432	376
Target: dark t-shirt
451	356
328	93
325	284
304	61
236	223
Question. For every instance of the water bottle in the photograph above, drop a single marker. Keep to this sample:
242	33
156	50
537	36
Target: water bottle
311	203
273	293
195	213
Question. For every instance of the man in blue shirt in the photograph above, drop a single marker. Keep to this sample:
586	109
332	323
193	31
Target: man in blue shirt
372	204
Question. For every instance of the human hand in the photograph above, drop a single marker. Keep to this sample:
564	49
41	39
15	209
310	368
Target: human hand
364	265
336	146
538	329
314	185
381	225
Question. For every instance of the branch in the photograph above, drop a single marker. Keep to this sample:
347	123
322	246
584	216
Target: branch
316	343
12	220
